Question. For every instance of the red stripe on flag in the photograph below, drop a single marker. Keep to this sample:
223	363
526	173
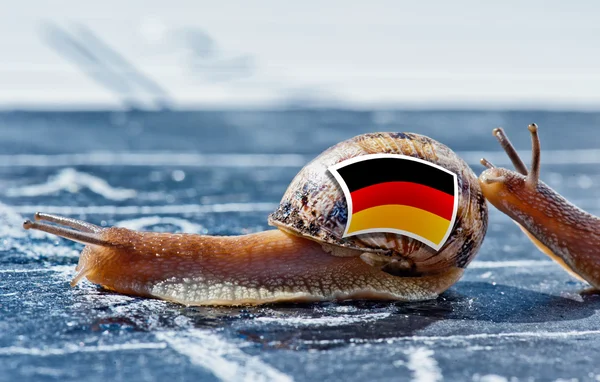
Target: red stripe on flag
404	193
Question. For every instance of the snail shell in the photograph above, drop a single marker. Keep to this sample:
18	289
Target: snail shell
314	207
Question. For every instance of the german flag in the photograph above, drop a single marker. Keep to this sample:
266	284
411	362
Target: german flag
398	194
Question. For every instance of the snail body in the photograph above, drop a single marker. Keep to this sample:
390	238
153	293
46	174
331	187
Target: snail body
561	230
305	259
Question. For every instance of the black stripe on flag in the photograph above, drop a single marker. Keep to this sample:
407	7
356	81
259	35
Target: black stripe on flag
379	170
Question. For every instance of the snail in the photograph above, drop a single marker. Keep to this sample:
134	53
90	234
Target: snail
561	230
304	259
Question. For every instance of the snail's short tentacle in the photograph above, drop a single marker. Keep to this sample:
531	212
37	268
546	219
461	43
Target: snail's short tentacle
534	174
67	233
510	150
79	225
486	163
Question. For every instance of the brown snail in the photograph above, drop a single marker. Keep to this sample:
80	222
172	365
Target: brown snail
305	259
566	233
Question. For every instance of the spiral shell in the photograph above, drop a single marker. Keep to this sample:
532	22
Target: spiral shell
314	206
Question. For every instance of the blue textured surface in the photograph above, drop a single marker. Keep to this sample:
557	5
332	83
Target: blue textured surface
513	315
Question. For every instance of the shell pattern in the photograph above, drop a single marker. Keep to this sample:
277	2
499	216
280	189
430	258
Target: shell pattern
314	206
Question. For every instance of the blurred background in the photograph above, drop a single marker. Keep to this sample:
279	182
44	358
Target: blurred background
202	54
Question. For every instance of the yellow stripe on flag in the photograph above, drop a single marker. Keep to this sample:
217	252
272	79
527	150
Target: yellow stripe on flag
404	218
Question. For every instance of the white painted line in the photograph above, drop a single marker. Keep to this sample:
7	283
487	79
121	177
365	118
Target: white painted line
489	378
145	159
325	321
72	349
225	360
466	337
35	270
461	337
540	335
147	210
510	264
69	179
155	159
423	366
54	268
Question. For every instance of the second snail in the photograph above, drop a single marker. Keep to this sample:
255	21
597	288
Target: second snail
307	259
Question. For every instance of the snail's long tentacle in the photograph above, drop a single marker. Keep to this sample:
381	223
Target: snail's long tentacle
510	150
534	175
79	225
67	233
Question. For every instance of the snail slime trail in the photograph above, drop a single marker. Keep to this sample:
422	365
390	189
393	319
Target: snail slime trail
305	259
561	230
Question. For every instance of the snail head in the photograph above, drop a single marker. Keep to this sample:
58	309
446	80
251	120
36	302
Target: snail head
511	191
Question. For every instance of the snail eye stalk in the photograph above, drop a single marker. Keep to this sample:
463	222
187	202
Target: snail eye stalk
534	176
77	232
510	150
79	225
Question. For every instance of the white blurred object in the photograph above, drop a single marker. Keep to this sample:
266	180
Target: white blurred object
373	54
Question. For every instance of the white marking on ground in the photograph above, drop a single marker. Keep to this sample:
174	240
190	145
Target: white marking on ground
324	321
54	268
9	221
486	275
489	378
551	157
509	264
462	338
72	349
12	235
225	360
35	270
71	180
148	210
58	374
422	364
154	159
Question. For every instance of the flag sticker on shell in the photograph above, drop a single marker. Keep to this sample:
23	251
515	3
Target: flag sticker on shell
398	194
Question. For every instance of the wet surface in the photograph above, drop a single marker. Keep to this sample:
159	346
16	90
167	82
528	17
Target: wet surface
514	316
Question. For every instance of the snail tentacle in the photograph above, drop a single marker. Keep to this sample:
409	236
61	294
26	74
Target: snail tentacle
79	225
534	175
487	163
510	150
83	237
